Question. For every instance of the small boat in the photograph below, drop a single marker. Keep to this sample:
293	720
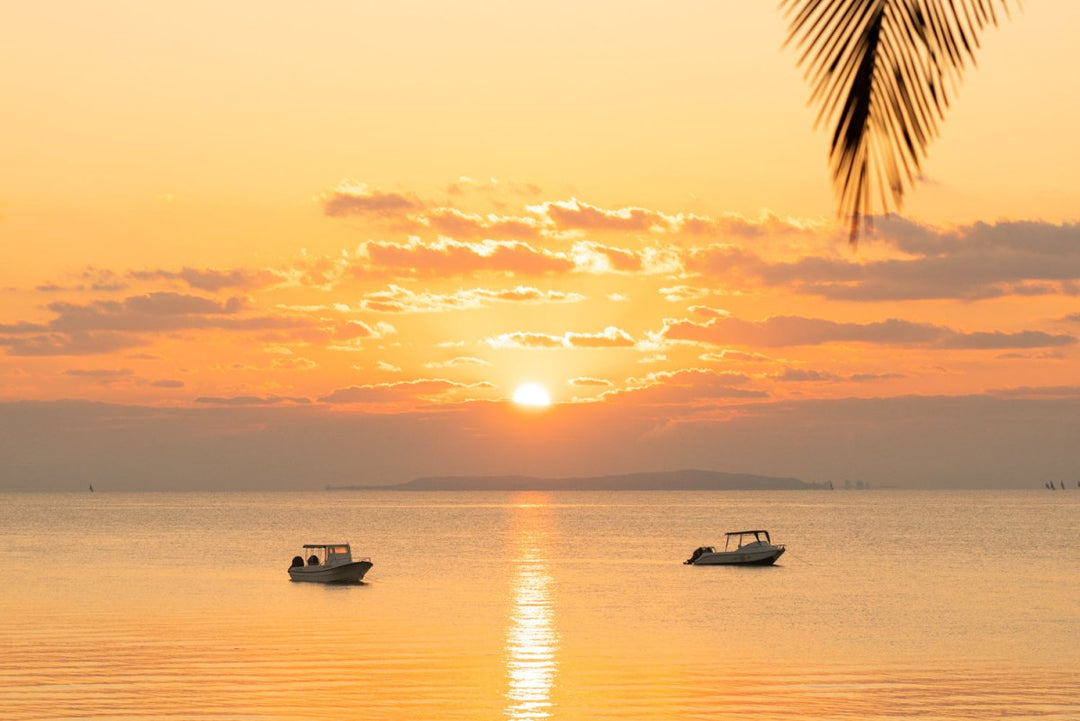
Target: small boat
328	563
751	548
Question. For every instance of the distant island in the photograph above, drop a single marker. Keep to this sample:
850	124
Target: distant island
686	480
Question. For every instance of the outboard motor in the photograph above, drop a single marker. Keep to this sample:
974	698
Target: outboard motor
697	554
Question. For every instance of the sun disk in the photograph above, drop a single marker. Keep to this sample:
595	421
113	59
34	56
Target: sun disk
532	394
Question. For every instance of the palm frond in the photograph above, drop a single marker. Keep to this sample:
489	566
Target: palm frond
882	72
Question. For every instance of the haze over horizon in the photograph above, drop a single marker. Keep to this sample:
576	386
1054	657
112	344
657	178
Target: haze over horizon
270	246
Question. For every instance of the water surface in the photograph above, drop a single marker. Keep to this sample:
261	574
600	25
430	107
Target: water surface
888	605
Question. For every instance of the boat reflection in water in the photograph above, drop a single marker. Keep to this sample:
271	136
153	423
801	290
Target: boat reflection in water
531	640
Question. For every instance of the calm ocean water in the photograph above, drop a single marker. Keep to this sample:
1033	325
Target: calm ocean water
888	605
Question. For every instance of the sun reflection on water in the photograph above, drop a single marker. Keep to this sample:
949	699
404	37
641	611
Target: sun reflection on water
531	640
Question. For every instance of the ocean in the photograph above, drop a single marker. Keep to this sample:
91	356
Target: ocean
889	604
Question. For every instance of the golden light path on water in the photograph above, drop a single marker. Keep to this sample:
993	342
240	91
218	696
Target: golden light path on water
531	639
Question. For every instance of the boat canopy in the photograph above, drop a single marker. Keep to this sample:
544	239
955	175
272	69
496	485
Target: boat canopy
751	533
332	551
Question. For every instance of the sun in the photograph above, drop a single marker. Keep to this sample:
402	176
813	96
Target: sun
532	394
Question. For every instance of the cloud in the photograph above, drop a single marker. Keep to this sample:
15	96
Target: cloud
458	224
795	331
293	364
270	400
56	446
996	340
396	299
610	337
807	375
102	373
446	257
735	355
681	293
458	362
424	388
975	262
690	386
866	377
767	223
590	383
103	326
214	280
575	215
77	343
350	198
492	186
353	329
595	258
523	339
150	312
1037	392
167	383
102	280
802	375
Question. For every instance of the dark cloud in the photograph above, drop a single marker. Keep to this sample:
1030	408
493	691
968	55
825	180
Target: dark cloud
967	441
686	387
213	280
102	326
795	331
391	392
270	400
800	375
997	340
1038	392
77	343
361	200
100	373
976	262
153	311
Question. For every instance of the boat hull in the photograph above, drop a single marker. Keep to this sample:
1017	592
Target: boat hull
758	557
343	573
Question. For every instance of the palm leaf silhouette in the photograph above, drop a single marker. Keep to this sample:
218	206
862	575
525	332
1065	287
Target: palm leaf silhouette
882	71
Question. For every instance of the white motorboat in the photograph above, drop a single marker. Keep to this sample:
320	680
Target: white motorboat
328	563
740	547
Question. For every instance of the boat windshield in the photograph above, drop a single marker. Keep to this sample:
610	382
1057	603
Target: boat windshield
739	539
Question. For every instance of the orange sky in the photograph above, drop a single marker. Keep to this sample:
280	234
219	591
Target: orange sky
370	213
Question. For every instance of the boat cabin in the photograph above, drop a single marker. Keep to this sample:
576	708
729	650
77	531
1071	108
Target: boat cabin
739	539
325	554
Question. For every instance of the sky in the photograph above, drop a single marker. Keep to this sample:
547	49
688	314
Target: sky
277	245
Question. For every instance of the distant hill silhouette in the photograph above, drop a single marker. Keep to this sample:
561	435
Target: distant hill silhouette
686	480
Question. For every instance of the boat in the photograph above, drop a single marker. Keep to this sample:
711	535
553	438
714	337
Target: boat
749	548
328	563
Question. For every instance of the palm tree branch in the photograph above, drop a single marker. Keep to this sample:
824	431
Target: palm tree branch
881	72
